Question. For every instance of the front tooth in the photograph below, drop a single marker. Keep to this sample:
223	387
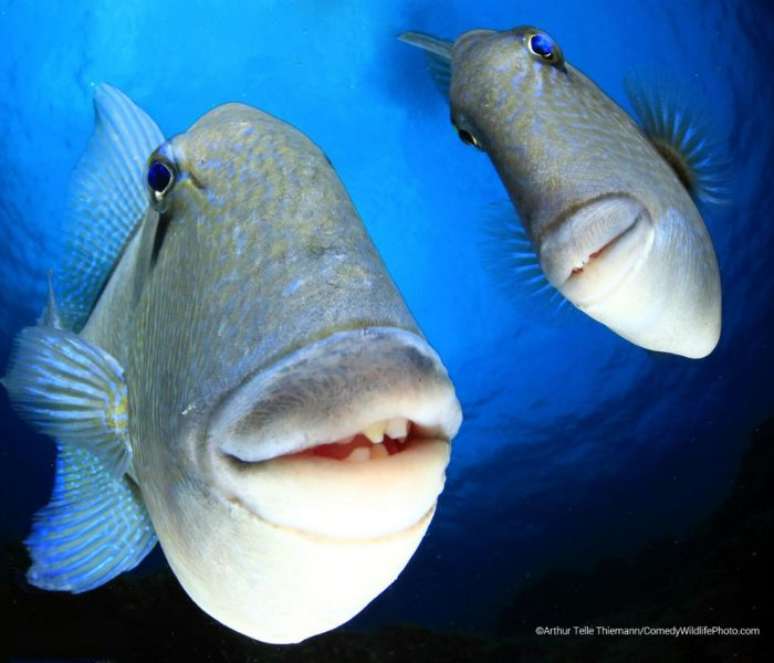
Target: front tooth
397	428
359	455
379	451
375	432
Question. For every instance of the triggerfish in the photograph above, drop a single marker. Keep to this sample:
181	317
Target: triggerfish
608	206
227	367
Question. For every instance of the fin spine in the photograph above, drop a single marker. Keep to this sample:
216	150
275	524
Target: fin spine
439	57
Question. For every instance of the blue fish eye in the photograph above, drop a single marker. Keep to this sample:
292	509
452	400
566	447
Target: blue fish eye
542	45
159	177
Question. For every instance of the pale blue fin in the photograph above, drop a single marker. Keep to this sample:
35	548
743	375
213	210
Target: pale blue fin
108	199
94	528
685	138
511	259
439	57
51	316
73	391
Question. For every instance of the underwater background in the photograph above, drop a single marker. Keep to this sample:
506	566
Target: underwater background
592	482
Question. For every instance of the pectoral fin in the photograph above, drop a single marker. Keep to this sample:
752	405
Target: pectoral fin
72	390
94	528
684	137
510	258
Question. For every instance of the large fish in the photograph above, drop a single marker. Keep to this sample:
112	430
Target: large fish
228	367
607	205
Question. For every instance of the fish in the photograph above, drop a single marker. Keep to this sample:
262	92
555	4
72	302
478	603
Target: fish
228	369
609	207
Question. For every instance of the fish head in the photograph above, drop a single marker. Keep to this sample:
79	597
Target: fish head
494	71
292	424
614	228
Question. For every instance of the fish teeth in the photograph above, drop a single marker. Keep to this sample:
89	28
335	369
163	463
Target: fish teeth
375	432
397	429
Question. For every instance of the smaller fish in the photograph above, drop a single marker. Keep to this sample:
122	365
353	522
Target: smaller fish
608	206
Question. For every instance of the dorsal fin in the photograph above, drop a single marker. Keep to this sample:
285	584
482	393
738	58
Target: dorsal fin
108	199
683	137
439	57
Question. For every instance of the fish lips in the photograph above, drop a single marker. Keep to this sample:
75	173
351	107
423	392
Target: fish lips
591	250
329	391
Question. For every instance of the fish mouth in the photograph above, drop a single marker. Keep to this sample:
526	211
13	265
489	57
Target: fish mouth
346	439
593	248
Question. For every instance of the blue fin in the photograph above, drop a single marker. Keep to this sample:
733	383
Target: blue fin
684	138
94	528
107	201
73	391
511	259
439	57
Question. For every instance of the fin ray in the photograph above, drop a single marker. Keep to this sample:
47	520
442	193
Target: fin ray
509	256
683	138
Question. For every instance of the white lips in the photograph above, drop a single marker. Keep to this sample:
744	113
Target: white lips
344	500
388	388
368	494
590	253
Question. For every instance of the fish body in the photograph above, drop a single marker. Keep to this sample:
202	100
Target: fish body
265	403
613	224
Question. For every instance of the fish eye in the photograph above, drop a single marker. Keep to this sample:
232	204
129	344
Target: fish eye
543	46
161	177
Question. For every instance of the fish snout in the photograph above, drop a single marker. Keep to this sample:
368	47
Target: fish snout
346	438
652	280
589	251
317	479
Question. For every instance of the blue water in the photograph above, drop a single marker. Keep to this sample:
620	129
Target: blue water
576	444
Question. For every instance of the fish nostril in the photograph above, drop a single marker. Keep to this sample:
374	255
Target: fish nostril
468	138
465	137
